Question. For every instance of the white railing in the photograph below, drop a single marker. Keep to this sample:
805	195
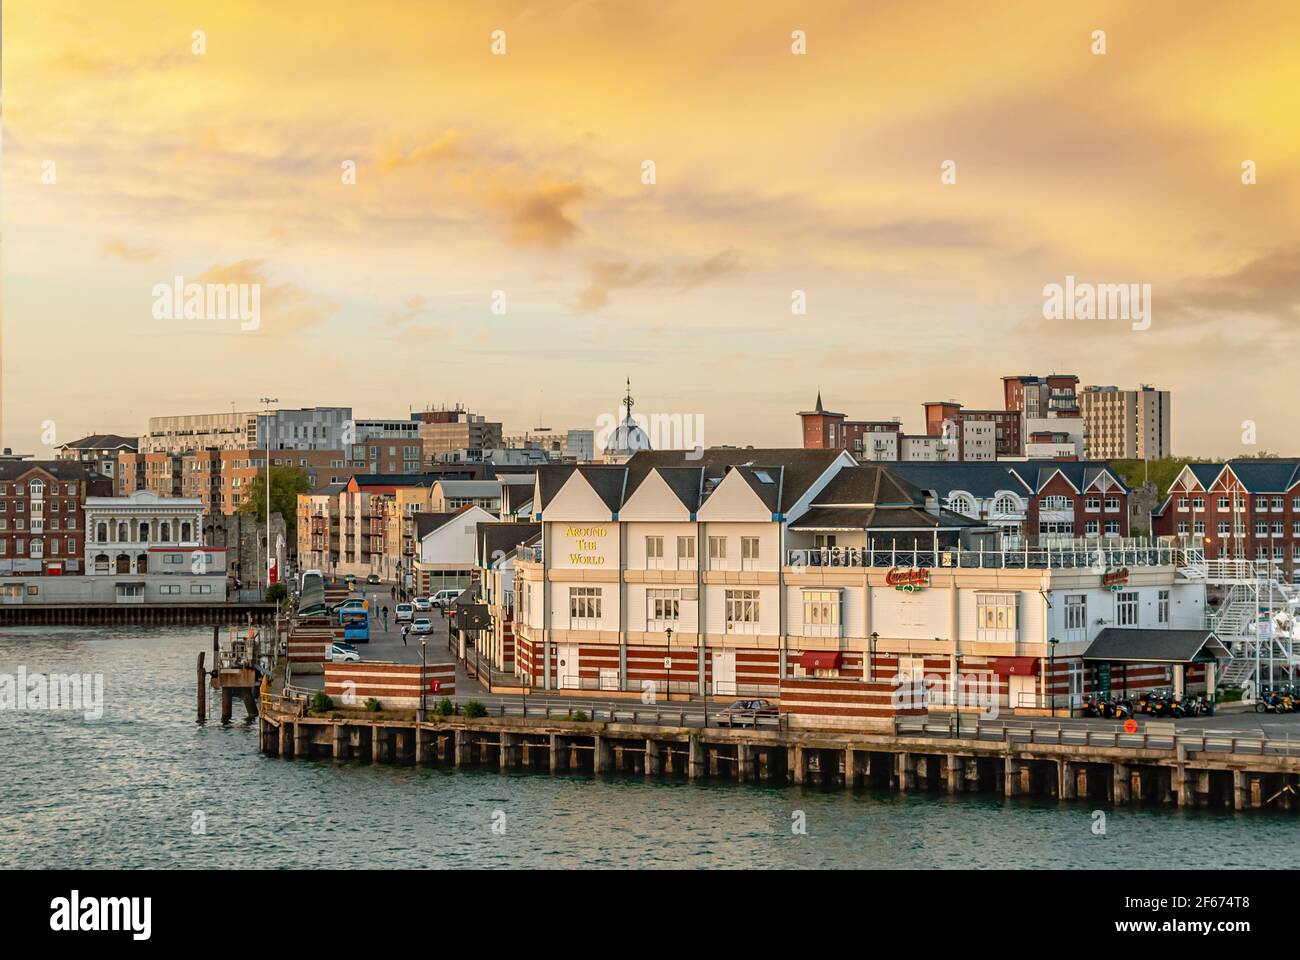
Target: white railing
1096	555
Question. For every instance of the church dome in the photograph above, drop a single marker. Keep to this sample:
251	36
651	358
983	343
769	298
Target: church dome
627	438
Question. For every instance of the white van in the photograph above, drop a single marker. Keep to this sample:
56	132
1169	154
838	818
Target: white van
405	612
445	597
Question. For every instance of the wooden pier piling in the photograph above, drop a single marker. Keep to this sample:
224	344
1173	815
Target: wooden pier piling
828	759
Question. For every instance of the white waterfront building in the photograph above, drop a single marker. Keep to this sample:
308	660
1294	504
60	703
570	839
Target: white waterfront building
727	573
139	532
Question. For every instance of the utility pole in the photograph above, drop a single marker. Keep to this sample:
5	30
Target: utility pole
266	407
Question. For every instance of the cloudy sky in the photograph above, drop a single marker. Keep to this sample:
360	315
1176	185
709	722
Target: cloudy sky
130	159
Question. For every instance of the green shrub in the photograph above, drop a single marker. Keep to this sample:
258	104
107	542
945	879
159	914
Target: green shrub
474	709
322	701
276	593
373	705
579	715
445	707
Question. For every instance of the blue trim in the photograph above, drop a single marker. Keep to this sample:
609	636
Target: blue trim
778	517
613	516
692	516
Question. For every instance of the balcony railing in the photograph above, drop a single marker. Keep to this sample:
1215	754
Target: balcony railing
1094	555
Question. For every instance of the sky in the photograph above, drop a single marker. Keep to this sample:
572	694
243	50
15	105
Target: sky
452	203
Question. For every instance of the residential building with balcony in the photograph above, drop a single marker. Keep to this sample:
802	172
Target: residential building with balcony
1245	509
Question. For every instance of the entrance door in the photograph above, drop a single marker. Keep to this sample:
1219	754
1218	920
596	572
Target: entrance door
1023	691
724	673
1076	684
566	666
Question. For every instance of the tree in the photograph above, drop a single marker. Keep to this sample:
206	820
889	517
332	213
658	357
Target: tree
286	484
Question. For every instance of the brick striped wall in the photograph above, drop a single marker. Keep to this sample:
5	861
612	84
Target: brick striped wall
816	702
508	648
308	645
392	684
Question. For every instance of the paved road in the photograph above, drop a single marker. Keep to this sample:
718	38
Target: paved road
388	646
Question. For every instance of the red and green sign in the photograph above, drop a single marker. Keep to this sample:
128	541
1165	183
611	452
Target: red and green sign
908	579
1114	580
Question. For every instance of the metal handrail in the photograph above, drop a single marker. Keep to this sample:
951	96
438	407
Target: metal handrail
1146	739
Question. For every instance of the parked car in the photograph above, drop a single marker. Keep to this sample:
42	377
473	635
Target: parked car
421	604
373	578
340	652
444	598
747	713
405	611
422	625
351	603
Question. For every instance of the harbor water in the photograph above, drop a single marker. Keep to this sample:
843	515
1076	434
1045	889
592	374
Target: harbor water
144	786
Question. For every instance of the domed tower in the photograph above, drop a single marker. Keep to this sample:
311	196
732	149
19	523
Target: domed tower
628	437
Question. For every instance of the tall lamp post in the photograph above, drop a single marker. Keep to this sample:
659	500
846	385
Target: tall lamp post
424	643
668	666
871	656
266	408
1051	671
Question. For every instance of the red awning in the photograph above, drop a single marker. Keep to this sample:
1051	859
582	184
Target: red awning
1015	666
813	660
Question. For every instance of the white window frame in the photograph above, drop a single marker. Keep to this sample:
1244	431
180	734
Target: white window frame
996	616
654	553
585	608
821	613
685	553
741	609
1127	609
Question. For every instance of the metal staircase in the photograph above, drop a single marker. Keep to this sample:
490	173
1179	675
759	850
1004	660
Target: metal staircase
1255	621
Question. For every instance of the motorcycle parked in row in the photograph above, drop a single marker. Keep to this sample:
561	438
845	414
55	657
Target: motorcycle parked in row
1275	701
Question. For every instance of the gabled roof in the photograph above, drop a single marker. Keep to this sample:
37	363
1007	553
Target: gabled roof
102	441
869	485
503	538
470	488
608	483
983	480
1206	473
426	523
881	518
798	468
687	483
395	479
59	469
1080	474
1131	644
1266	475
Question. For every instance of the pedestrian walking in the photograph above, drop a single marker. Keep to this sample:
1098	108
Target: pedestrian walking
385	619
405	628
394	592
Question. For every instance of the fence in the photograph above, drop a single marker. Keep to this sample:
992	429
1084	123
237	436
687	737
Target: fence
1152	736
1100	555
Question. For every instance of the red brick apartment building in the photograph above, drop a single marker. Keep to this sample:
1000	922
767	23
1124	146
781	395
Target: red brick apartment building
1242	509
42	514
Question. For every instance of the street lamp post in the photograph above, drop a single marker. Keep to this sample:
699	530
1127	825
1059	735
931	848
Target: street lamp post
1051	671
424	643
266	406
668	666
871	656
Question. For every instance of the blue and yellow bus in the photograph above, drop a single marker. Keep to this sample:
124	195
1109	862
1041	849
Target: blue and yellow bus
356	625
